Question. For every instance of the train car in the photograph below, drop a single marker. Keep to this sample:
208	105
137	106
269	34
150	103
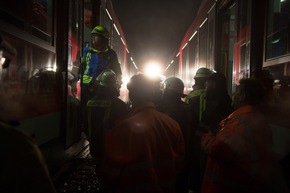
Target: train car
243	39
40	84
239	38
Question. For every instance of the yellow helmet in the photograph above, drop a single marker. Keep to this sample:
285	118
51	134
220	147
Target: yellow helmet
101	30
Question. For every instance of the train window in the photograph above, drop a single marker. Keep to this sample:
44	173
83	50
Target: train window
211	38
185	67
30	80
203	37
229	57
278	42
35	17
193	56
281	76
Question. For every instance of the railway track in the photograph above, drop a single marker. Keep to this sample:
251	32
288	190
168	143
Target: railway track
80	176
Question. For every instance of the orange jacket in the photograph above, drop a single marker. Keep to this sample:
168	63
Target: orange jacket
239	156
143	152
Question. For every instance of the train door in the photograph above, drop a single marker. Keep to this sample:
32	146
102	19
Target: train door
211	38
277	49
74	51
227	34
234	57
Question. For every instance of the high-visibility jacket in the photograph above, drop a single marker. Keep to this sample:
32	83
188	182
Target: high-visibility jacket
144	152
102	113
239	156
196	99
96	62
197	102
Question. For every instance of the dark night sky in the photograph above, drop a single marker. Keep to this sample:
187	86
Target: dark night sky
154	28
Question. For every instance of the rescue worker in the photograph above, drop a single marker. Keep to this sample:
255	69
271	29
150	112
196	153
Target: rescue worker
22	165
172	105
145	150
103	110
277	110
97	57
218	102
218	107
240	157
196	98
197	102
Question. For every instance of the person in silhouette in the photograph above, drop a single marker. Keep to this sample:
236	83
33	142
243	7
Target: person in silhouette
145	150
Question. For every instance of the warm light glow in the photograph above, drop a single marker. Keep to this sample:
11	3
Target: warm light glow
125	81
152	69
2	61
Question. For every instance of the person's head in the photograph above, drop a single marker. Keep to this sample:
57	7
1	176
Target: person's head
249	92
141	89
174	87
99	37
216	83
107	81
201	76
266	78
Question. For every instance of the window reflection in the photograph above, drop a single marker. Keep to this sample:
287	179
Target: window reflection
278	28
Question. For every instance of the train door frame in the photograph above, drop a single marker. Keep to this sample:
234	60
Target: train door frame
74	49
225	41
247	42
278	64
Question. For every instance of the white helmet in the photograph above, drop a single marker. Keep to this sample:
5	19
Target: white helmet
107	78
203	73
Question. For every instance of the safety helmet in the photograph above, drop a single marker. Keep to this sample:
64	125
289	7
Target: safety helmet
174	84
108	79
101	31
142	86
140	82
203	73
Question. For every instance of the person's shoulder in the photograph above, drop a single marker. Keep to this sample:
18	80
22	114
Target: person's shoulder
196	93
111	51
166	119
16	140
10	134
86	49
120	102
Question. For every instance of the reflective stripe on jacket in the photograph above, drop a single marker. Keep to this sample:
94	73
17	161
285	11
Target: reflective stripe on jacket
96	62
199	107
102	113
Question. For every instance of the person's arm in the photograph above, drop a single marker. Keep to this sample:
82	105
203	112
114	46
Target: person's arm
115	65
227	143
